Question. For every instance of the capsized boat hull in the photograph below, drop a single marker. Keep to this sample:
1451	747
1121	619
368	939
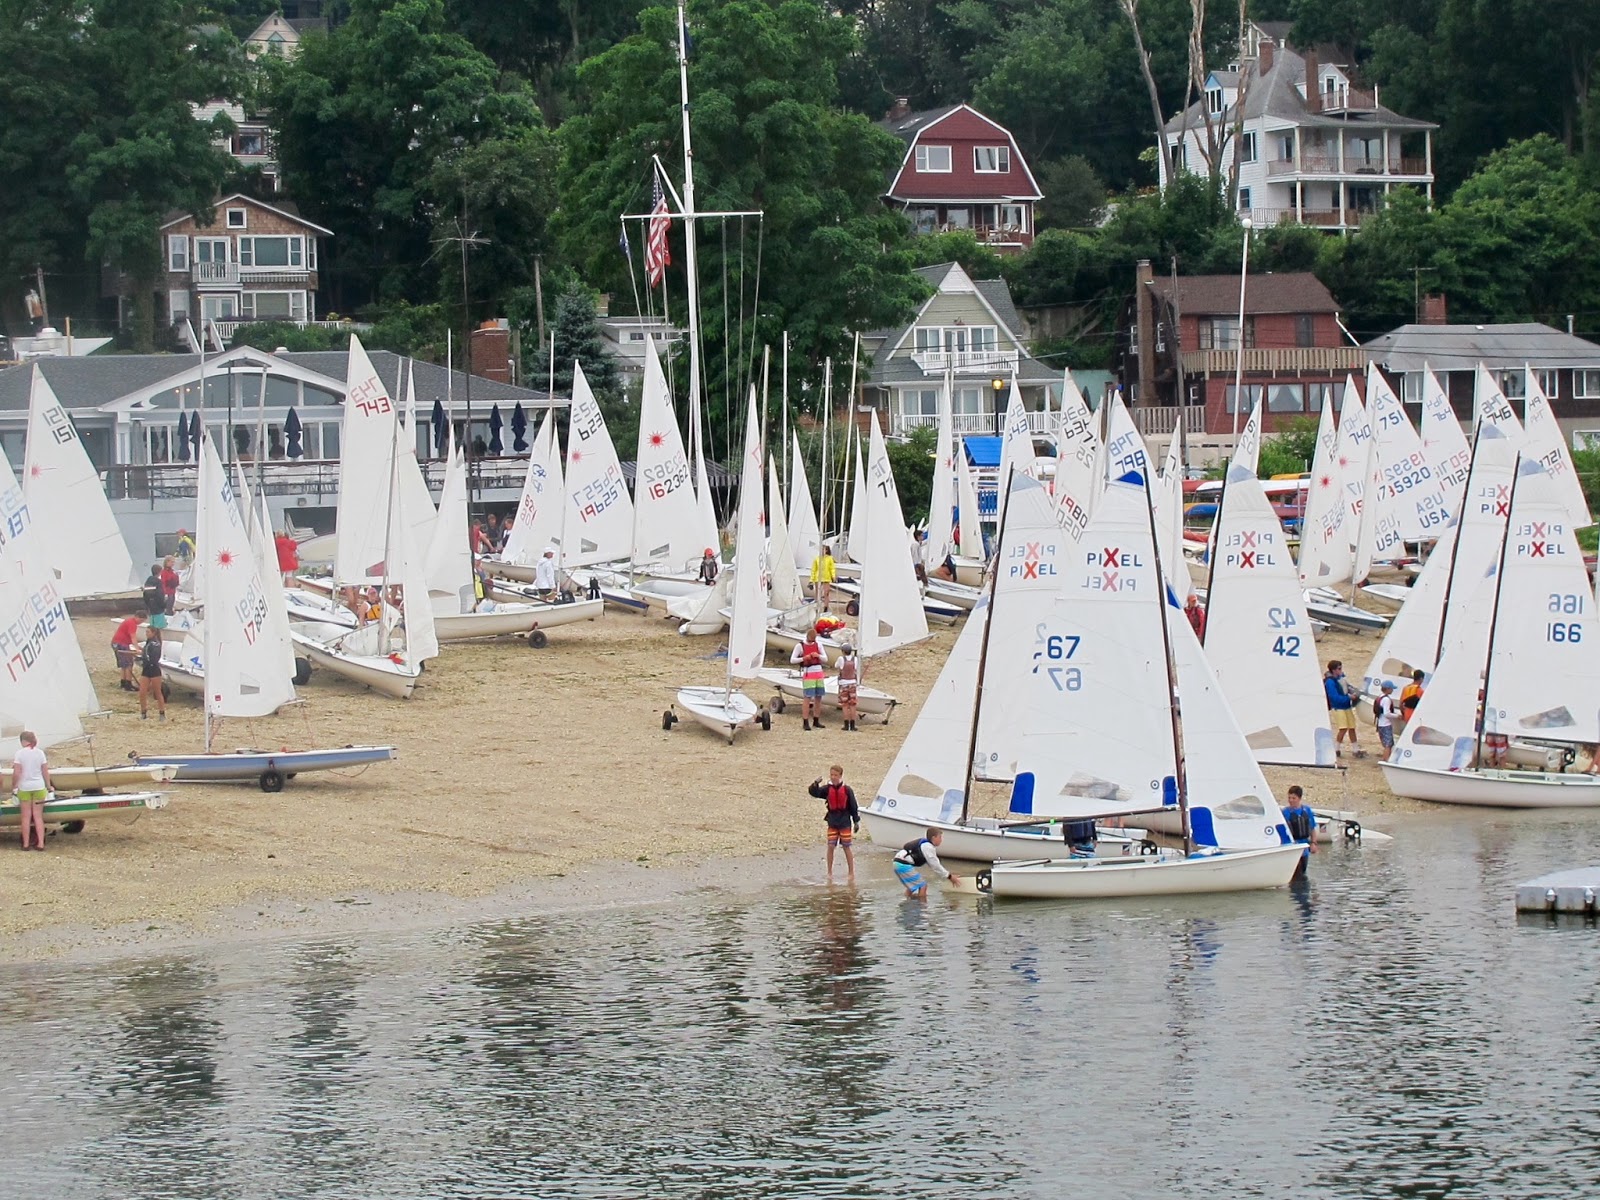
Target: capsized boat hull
985	840
509	620
1494	788
722	712
1121	878
870	702
72	811
266	767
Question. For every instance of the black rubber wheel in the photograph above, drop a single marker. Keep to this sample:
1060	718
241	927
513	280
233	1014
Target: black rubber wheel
166	690
302	671
852	609
765	718
271	781
72	827
777	703
538	639
667	719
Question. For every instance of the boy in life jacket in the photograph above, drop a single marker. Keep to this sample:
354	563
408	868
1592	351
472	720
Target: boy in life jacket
849	679
842	816
920	852
813	678
1301	819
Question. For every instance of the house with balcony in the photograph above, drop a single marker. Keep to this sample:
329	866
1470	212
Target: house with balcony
1180	345
626	338
968	331
252	261
962	171
1314	145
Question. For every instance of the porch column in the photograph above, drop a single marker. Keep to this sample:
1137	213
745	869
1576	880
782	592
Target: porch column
1344	219
1299	207
1341	151
1387	166
1427	158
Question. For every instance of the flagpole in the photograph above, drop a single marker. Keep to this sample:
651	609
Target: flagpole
690	257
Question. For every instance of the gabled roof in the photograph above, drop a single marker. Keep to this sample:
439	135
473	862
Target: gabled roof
1218	295
284	208
911	127
907	127
1463	347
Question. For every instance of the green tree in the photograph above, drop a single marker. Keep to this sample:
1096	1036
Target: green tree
1290	450
959	246
912	464
576	333
1074	194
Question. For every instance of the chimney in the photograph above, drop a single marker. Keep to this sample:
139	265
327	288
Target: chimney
1433	310
1313	92
491	351
1144	303
900	111
1263	58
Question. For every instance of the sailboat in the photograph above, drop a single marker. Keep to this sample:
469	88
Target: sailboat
804	537
1124	718
1340	525
68	502
539	508
940	545
1529	674
724	710
969	560
1079	451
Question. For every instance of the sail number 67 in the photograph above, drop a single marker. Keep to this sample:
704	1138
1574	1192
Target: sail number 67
1057	648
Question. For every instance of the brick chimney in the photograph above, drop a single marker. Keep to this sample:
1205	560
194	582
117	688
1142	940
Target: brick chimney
1264	57
1144	303
491	351
900	111
1313	91
1433	310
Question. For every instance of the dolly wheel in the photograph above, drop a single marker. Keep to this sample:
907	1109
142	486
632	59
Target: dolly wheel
538	639
778	704
765	718
853	609
668	720
302	671
72	827
271	781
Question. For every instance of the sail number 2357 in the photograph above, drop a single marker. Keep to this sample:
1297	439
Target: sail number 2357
1051	656
1570	604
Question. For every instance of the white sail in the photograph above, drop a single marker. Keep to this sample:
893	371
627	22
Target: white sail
1412	492
969	520
77	528
707	533
598	525
265	551
1247	452
449	555
46	685
804	537
1324	545
1443	440
784	590
366	468
855	539
1125	448
942	500
419	500
1078	475
1353	458
1016	446
408	566
1490	407
1031	563
1465	554
1543	442
891	602
1167	501
1258	637
928	778
665	513
1099	738
244	660
747	622
539	511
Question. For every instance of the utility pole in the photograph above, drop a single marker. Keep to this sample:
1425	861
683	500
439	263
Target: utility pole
44	299
466	240
538	293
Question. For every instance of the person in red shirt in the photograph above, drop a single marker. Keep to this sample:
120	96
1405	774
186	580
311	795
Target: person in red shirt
288	555
122	643
169	583
1196	615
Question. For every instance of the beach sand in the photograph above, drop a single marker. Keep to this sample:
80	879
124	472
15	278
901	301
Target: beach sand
518	770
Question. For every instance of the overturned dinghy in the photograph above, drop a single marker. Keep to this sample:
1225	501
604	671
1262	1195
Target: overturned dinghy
268	768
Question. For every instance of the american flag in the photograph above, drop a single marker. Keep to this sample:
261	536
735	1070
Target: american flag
657	258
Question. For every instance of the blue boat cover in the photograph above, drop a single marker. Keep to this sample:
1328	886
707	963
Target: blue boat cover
982	451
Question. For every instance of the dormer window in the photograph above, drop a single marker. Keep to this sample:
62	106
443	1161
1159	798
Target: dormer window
933	160
236	218
1214	100
991	160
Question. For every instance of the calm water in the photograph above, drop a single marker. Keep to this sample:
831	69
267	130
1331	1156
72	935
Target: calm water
1391	1031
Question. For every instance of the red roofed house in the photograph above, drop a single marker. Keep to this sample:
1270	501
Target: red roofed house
962	171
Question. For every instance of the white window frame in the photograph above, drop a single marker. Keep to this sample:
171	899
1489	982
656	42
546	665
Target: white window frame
1244	199
178	304
1214	101
219	301
311	252
237	218
177	252
1180	155
1020	211
1411	387
919	402
998	156
1513	384
1286	143
297	305
925	160
1586	383
1549	383
1247	146
296	250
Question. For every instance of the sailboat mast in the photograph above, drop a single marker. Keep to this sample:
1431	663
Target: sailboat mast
1455	550
983	656
827	421
784	482
1180	771
690	247
1494	614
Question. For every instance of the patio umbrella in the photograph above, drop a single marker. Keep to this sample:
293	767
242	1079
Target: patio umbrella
291	435
519	427
496	424
441	429
182	448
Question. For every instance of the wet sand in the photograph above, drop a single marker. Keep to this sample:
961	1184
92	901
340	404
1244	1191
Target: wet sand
526	778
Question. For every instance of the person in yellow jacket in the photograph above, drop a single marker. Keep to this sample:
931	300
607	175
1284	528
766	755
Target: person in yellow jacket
823	576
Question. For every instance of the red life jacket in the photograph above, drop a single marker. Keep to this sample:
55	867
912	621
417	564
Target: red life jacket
847	671
838	797
810	654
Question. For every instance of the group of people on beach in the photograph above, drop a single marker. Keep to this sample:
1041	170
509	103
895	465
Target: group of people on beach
1390	713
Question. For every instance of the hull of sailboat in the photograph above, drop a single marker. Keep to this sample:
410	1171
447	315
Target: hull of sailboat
722	712
310	604
506	568
984	840
1331	825
1343	616
254	764
1133	876
184	677
96	779
933	607
378	672
1494	788
512	620
658	595
1395	593
73	810
870	702
785	640
957	594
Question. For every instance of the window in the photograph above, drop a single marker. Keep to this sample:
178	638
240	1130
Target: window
970	400
1161	336
1180	156
236	218
1014	216
274	306
1512	384
991	160
1305	330
959	218
1411	387
219	308
1254	393
928	338
1586	385
1214	100
1286	398
251	141
1219	333
177	305
272	252
923	402
1322	395
933	159
1247	146
1244	199
925	219
177	252
1286	147
635	336
1549	384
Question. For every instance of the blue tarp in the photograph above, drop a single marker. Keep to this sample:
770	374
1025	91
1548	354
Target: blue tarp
982	451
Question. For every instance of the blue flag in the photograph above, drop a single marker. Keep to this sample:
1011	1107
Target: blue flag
622	244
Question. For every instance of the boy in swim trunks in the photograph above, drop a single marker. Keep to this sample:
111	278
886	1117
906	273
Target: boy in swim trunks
842	816
920	852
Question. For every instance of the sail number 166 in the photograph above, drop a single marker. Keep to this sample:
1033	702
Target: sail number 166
1570	603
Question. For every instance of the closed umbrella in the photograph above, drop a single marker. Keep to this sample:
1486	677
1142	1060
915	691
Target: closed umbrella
519	428
182	448
441	429
291	435
496	424
195	434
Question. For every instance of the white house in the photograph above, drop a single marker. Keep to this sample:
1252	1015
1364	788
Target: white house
1314	146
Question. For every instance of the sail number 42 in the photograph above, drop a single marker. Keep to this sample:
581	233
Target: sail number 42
1286	645
1053	650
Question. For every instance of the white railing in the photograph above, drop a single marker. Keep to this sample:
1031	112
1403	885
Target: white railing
969	423
215	273
226	328
1163	419
966	362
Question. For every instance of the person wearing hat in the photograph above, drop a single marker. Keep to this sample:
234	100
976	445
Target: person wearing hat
708	567
544	575
1384	711
185	547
